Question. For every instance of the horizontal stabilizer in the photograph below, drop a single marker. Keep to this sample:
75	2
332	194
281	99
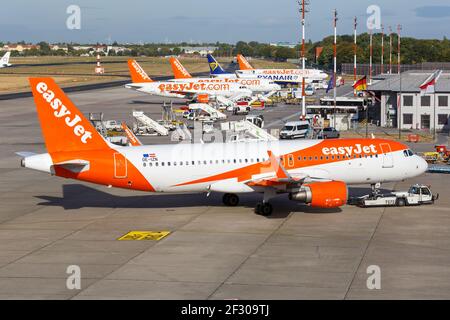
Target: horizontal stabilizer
75	165
25	154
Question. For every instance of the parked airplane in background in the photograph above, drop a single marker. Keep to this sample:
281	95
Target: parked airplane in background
254	84
132	139
279	75
4	62
316	172
216	69
187	89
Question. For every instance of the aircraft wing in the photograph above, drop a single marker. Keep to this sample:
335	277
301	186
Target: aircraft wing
282	177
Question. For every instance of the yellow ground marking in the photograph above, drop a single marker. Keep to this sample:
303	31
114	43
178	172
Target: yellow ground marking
145	235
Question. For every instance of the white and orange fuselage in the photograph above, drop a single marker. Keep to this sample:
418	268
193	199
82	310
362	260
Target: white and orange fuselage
185	89
254	84
232	167
190	88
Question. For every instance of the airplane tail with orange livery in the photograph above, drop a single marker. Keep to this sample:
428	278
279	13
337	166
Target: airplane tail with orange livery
64	127
132	139
243	63
75	149
179	71
138	75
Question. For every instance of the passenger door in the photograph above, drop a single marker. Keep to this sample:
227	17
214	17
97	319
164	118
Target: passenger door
387	158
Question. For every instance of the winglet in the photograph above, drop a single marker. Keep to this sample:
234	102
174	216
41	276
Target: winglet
138	75
132	139
243	63
275	162
179	71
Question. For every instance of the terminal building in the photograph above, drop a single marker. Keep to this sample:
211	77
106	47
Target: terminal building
416	112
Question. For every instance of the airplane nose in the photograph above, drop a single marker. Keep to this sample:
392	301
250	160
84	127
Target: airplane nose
422	165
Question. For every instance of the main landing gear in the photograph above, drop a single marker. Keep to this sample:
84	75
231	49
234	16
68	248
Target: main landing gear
230	199
264	208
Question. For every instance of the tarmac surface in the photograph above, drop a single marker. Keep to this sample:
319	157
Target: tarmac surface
213	252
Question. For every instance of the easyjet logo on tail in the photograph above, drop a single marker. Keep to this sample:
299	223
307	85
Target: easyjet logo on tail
62	112
179	70
243	63
137	73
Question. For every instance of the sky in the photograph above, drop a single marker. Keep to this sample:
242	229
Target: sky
135	21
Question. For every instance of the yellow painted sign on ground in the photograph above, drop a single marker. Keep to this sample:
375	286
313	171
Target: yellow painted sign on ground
145	235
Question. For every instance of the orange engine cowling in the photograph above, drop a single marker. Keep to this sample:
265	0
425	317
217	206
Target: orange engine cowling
331	194
203	98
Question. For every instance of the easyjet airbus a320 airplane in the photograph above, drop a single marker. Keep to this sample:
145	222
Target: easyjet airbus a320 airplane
278	75
188	89
316	172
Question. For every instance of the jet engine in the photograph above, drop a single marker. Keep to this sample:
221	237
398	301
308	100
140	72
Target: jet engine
203	98
331	194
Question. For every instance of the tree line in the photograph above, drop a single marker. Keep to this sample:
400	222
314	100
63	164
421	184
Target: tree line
412	50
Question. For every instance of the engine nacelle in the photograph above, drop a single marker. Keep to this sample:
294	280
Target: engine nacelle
203	98
331	194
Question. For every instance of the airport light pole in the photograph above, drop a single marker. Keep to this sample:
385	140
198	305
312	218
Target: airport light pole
303	10
399	109
399	28
334	65
370	56
382	49
354	53
390	50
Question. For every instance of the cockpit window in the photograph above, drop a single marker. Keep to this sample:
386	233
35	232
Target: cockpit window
408	153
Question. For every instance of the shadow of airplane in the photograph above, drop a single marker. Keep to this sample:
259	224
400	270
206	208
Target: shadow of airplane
77	196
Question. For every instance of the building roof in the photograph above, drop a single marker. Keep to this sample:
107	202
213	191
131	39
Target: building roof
199	48
410	82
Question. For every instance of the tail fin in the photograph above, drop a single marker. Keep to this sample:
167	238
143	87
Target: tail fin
64	127
138	75
214	66
132	139
243	63
5	58
179	71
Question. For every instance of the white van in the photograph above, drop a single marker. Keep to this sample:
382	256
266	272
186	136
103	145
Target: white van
295	129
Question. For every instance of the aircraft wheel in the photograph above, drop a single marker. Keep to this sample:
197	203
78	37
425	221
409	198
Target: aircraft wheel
230	199
264	209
